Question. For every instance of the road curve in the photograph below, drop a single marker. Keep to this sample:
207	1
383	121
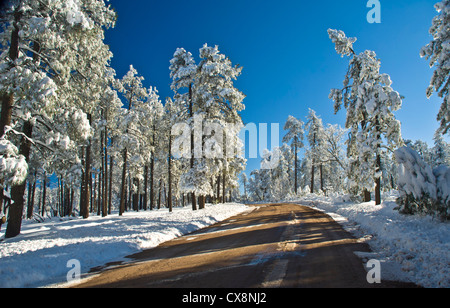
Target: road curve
273	246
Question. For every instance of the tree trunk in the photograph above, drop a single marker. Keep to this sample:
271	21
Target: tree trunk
218	189
123	186
367	196
33	192
321	177
67	196
105	172
159	194
18	192
145	187
312	175
136	195
191	115
111	162
169	197
87	179
378	183
94	203
223	187
29	206
2	196
313	165
130	193
378	167
152	178
201	202
72	195
44	194
6	114
296	171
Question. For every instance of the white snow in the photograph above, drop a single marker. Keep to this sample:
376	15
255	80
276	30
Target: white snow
39	255
410	248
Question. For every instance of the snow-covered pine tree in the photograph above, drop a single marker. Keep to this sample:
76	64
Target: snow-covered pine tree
135	94
216	96
294	135
370	102
152	130
183	70
316	141
170	114
86	90
333	157
438	52
440	153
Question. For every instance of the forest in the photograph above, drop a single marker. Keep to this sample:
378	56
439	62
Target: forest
77	140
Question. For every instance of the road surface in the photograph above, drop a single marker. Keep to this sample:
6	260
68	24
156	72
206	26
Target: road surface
273	246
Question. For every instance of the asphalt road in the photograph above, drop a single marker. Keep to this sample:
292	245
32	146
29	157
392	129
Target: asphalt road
273	246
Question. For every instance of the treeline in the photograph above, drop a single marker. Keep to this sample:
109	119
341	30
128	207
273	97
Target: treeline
313	159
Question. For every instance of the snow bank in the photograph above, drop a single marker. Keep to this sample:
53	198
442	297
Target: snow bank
40	254
410	248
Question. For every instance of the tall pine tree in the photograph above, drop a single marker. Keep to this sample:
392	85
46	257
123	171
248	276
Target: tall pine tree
370	102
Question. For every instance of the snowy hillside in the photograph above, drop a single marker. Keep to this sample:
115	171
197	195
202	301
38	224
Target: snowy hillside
410	248
40	254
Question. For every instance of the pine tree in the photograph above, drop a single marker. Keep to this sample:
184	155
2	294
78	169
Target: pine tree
440	153
316	142
438	52
295	136
370	102
135	94
183	70
221	102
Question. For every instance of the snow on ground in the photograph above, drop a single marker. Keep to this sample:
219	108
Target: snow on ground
39	255
410	248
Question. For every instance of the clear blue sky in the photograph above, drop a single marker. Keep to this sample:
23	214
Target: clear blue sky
289	63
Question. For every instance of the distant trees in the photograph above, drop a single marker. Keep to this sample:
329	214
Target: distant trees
323	155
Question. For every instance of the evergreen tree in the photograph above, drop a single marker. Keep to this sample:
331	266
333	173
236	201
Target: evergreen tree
135	94
295	136
315	137
370	102
438	52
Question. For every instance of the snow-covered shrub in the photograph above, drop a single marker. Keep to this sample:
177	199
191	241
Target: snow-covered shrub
422	190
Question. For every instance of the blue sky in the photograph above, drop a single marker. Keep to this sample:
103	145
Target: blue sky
289	63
